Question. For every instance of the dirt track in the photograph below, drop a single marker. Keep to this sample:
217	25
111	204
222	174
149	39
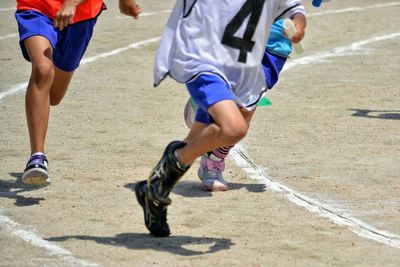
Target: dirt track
331	134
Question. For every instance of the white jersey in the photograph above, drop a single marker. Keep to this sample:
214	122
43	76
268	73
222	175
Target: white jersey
225	37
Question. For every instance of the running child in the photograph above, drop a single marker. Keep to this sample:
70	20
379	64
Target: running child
277	51
54	35
216	49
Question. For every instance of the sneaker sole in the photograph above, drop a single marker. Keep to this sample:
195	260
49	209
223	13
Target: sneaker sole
37	177
219	187
142	202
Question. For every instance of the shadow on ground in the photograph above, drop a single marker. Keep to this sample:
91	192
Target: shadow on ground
194	189
377	114
12	189
172	244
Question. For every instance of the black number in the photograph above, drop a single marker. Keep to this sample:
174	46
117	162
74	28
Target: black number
254	9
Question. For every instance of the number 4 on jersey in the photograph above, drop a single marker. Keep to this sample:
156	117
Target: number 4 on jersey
245	44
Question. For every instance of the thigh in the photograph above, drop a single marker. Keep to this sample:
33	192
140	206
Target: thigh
39	50
207	90
72	45
37	35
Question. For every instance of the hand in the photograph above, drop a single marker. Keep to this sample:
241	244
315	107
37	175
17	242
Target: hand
130	8
299	35
300	23
66	14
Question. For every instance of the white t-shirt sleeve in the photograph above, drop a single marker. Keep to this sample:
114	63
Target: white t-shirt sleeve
289	8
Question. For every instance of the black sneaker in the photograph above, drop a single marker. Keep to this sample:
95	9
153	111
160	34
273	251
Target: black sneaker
155	212
153	194
36	172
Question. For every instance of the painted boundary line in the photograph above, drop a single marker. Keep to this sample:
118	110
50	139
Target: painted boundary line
355	225
254	171
7	9
146	14
37	241
338	51
353	9
8	36
14	89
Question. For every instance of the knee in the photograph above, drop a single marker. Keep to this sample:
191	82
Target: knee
232	135
43	73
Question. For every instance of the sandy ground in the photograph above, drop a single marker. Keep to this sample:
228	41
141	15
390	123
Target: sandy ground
331	134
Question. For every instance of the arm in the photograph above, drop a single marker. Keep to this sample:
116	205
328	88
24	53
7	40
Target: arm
300	22
66	14
129	8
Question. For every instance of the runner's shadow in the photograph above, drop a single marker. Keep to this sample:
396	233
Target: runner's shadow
377	114
12	188
194	189
172	244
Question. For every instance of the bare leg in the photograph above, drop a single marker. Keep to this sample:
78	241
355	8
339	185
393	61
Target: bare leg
60	85
198	126
229	128
47	86
37	100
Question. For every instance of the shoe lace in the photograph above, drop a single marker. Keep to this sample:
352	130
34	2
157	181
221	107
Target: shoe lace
37	160
214	168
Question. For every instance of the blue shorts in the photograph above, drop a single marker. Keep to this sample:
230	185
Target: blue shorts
69	45
206	90
272	65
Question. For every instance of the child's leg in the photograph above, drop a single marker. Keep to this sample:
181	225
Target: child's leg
60	85
229	128
37	100
212	164
67	56
222	152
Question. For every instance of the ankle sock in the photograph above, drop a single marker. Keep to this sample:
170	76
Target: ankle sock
219	154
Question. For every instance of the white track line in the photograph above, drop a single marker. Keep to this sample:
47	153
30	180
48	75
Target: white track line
8	9
355	225
353	9
30	237
119	50
14	89
339	51
8	36
145	14
256	172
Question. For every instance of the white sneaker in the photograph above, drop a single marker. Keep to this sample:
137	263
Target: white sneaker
210	174
189	113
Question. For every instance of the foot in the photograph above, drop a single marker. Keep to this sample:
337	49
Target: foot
36	171
153	194
210	174
155	212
